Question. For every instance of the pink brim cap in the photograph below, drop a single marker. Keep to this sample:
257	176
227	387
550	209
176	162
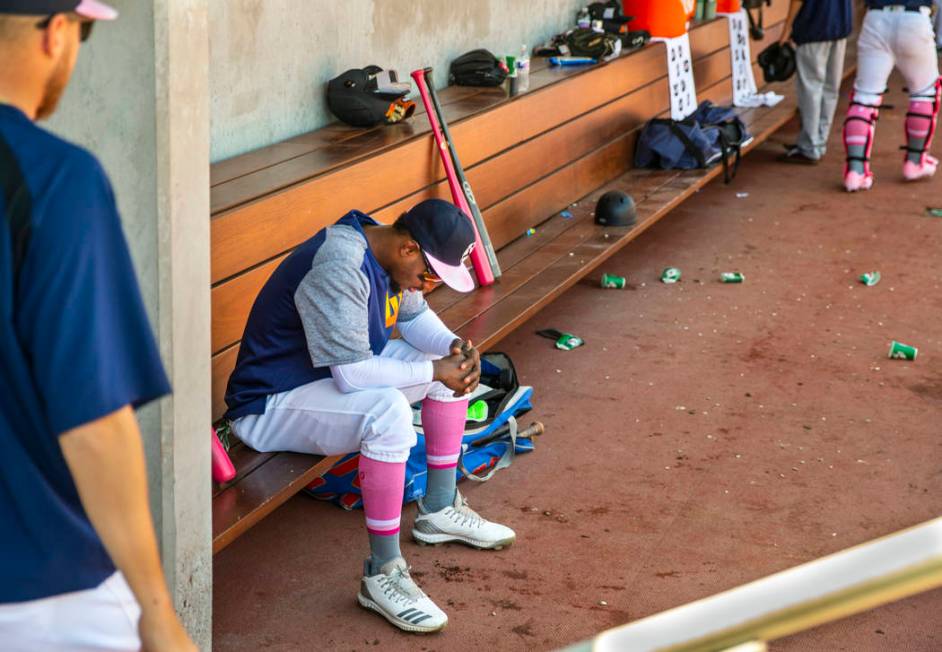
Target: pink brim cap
457	277
95	10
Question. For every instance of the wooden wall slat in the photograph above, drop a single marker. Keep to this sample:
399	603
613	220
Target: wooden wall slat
222	365
232	301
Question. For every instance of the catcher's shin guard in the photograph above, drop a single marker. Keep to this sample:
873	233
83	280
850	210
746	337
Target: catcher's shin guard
921	119
859	127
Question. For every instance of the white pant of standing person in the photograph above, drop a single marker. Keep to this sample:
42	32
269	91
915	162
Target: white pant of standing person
319	419
101	619
820	68
893	37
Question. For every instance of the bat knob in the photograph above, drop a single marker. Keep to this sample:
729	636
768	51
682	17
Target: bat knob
535	429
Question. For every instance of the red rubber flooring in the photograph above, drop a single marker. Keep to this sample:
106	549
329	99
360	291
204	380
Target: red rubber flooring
707	434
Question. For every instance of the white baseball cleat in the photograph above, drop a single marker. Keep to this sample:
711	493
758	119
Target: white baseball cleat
458	522
394	595
914	171
854	181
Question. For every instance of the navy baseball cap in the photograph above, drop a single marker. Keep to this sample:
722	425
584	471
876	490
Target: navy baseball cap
446	236
91	9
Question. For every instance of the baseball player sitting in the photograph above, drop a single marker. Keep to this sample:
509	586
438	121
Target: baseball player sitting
895	33
318	373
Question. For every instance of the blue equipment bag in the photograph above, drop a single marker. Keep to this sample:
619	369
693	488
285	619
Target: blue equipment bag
710	134
488	445
676	145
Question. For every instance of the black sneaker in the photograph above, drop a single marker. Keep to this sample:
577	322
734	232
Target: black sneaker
796	156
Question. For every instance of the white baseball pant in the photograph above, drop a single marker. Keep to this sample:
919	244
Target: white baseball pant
318	418
904	39
101	619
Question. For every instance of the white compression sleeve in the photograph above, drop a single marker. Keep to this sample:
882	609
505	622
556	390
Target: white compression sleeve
381	372
427	333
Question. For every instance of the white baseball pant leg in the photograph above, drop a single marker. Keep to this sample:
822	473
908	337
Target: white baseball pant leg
101	619
319	419
904	39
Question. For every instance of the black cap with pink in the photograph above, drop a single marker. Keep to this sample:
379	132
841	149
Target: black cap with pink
91	9
446	236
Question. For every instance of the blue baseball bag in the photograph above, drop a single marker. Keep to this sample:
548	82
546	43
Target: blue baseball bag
710	134
490	441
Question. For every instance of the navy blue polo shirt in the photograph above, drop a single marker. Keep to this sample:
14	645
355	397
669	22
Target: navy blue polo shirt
823	20
75	345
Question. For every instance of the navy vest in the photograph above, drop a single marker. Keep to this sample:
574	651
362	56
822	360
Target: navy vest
273	356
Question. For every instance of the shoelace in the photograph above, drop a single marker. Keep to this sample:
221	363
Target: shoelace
393	588
464	515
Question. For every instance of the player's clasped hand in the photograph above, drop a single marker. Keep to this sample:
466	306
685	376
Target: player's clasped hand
460	371
473	357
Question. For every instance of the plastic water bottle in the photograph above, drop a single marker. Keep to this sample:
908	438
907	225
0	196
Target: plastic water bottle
583	20
523	70
222	468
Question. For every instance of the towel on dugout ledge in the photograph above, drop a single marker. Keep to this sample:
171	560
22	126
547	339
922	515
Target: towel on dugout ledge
760	99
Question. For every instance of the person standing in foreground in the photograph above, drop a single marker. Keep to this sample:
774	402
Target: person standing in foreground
895	33
79	564
819	29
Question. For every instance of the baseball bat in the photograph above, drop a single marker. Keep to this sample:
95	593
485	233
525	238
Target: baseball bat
482	268
535	429
462	179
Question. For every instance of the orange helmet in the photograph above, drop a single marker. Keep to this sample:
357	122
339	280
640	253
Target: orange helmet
662	18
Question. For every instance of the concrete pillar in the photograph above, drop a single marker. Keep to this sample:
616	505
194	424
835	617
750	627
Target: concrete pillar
140	101
181	62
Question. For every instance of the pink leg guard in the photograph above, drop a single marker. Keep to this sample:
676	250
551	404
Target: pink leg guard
443	423
920	127
859	127
382	485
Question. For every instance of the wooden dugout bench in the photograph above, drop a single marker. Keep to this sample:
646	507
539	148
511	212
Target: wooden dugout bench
568	139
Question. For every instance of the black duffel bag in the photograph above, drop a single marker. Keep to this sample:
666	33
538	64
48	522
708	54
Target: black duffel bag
477	68
584	42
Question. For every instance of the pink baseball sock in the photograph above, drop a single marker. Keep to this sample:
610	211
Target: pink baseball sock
382	485
443	424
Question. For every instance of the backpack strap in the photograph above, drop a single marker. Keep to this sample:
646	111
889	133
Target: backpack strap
17	207
689	145
505	460
727	147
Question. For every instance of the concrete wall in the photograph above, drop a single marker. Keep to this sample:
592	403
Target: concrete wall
270	59
139	100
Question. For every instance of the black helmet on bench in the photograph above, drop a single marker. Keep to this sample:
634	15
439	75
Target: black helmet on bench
778	62
615	208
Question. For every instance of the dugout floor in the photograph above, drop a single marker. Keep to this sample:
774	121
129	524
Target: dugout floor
707	435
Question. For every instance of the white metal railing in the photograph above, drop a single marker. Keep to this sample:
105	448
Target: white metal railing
743	619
